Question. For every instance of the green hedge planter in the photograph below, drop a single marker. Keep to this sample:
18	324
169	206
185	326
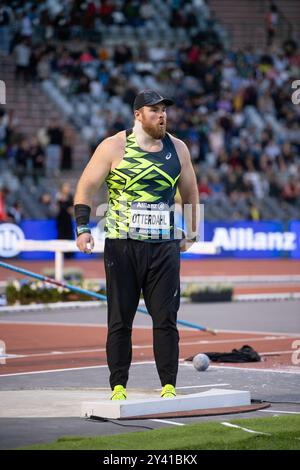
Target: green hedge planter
26	293
211	296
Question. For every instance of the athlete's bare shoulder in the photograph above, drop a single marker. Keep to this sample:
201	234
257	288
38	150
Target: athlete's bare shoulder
111	147
115	141
181	148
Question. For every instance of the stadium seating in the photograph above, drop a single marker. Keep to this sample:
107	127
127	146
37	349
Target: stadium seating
233	109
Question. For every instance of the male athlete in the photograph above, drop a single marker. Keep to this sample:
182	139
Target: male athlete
142	167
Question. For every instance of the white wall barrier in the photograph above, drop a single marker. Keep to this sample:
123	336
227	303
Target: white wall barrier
59	247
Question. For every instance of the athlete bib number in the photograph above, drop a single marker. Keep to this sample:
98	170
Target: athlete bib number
149	220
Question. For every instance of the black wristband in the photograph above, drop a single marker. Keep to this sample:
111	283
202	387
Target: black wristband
82	214
82	229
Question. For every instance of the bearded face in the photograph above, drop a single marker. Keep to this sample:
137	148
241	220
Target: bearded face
154	120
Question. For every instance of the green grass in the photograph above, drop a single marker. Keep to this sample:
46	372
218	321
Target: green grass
284	430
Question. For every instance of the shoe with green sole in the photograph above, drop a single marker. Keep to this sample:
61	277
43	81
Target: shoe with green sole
168	391
119	393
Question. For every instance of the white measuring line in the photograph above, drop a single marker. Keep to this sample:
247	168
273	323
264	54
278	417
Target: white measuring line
196	386
175	423
234	340
87	351
275	353
240	279
62	323
8	356
249	369
272	334
230	425
258	332
66	353
52	306
282	412
268	297
181	363
53	353
70	369
145	346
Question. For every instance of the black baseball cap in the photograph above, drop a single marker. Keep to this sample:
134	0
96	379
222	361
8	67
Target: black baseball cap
149	98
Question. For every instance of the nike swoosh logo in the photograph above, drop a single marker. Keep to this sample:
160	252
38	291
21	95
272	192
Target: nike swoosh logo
168	156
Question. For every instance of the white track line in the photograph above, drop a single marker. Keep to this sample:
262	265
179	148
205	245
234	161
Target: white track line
275	371
167	422
235	340
71	369
146	346
54	353
283	412
50	371
181	363
250	369
104	325
66	353
242	279
277	353
196	386
230	425
266	297
87	351
43	323
52	306
258	332
267	335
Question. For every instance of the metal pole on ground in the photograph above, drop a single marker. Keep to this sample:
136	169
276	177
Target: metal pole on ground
90	293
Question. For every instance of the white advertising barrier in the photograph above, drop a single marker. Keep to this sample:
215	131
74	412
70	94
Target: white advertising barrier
63	246
10	236
246	239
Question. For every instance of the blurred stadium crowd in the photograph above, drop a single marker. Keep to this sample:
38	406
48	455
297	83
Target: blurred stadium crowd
233	107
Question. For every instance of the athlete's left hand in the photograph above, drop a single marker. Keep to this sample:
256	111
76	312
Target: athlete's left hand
185	244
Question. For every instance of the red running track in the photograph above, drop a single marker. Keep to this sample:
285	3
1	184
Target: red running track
54	347
221	267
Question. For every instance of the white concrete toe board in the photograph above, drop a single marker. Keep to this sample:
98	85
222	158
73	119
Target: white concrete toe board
214	398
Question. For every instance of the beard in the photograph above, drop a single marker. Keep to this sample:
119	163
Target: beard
156	131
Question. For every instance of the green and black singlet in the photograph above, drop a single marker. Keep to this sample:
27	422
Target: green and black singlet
141	190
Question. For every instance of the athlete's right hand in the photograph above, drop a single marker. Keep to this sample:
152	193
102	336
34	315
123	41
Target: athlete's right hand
85	243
